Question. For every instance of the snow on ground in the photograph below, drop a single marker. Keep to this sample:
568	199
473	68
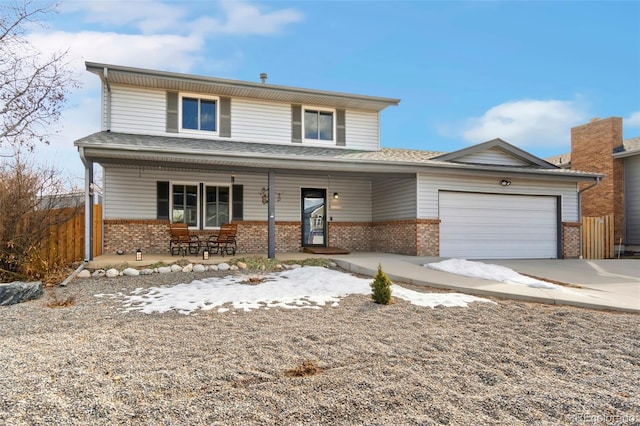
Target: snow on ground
489	272
308	287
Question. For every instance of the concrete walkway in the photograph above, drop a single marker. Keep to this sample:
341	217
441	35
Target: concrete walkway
599	284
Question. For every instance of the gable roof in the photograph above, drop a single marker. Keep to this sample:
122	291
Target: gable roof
171	151
140	77
469	155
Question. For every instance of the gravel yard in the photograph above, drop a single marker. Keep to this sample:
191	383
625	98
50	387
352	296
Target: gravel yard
92	363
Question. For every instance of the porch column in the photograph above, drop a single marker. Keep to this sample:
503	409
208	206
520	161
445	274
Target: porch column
88	210
271	230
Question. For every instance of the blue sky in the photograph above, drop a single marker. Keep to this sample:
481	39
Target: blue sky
466	72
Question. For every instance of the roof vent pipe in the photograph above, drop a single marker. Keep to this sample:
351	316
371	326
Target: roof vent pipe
263	77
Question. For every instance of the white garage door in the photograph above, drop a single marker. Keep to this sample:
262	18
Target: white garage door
497	226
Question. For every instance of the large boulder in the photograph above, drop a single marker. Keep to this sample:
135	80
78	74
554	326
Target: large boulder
19	291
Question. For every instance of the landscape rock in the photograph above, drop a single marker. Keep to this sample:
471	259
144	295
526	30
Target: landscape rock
278	267
131	272
98	273
146	271
241	265
18	291
176	268
295	266
223	266
233	268
164	269
84	274
213	267
112	273
199	268
188	268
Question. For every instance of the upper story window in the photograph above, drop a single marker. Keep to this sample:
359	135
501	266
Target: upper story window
318	124
199	114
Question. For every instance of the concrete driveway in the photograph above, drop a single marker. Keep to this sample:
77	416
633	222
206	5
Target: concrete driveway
600	284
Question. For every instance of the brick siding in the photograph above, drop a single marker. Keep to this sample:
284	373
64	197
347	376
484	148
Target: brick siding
592	146
151	236
411	237
428	237
571	240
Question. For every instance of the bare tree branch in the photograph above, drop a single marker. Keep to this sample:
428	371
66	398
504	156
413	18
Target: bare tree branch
33	88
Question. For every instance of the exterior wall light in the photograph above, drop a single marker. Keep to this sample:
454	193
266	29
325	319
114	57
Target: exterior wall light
138	254
505	182
334	204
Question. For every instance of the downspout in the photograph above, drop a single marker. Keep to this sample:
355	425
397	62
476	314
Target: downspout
105	73
596	183
88	205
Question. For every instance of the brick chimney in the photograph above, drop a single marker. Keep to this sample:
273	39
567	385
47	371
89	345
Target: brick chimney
592	146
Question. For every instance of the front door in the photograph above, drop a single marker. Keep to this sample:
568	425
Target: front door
314	225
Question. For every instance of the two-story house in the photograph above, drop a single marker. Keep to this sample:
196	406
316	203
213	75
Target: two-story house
297	168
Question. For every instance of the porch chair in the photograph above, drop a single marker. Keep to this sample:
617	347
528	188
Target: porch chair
224	241
182	240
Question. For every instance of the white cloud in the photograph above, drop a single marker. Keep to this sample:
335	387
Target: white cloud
153	17
527	123
148	16
245	19
633	120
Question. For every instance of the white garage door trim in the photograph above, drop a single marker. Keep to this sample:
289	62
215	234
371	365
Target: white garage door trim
498	226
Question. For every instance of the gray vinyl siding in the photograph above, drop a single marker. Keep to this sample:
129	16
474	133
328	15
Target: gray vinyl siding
492	156
253	121
136	110
130	193
362	130
632	197
144	111
394	199
430	184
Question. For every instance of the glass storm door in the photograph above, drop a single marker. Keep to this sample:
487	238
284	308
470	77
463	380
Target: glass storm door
314	225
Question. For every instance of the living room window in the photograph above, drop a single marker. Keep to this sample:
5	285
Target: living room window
318	124
187	200
216	206
184	206
198	114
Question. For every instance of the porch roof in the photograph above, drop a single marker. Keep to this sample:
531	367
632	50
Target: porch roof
166	151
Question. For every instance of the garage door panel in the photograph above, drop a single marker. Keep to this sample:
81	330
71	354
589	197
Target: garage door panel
486	226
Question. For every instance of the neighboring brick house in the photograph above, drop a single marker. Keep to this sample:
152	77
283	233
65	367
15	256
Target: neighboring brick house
303	169
598	146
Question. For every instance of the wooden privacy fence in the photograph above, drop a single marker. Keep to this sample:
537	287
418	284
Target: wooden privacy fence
65	240
597	237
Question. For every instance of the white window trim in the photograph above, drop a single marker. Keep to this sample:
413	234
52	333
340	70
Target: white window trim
198	96
333	131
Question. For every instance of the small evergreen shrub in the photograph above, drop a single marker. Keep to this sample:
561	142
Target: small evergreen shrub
381	288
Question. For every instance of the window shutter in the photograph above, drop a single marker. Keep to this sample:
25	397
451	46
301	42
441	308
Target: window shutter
296	123
225	118
162	197
172	112
340	128
237	195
